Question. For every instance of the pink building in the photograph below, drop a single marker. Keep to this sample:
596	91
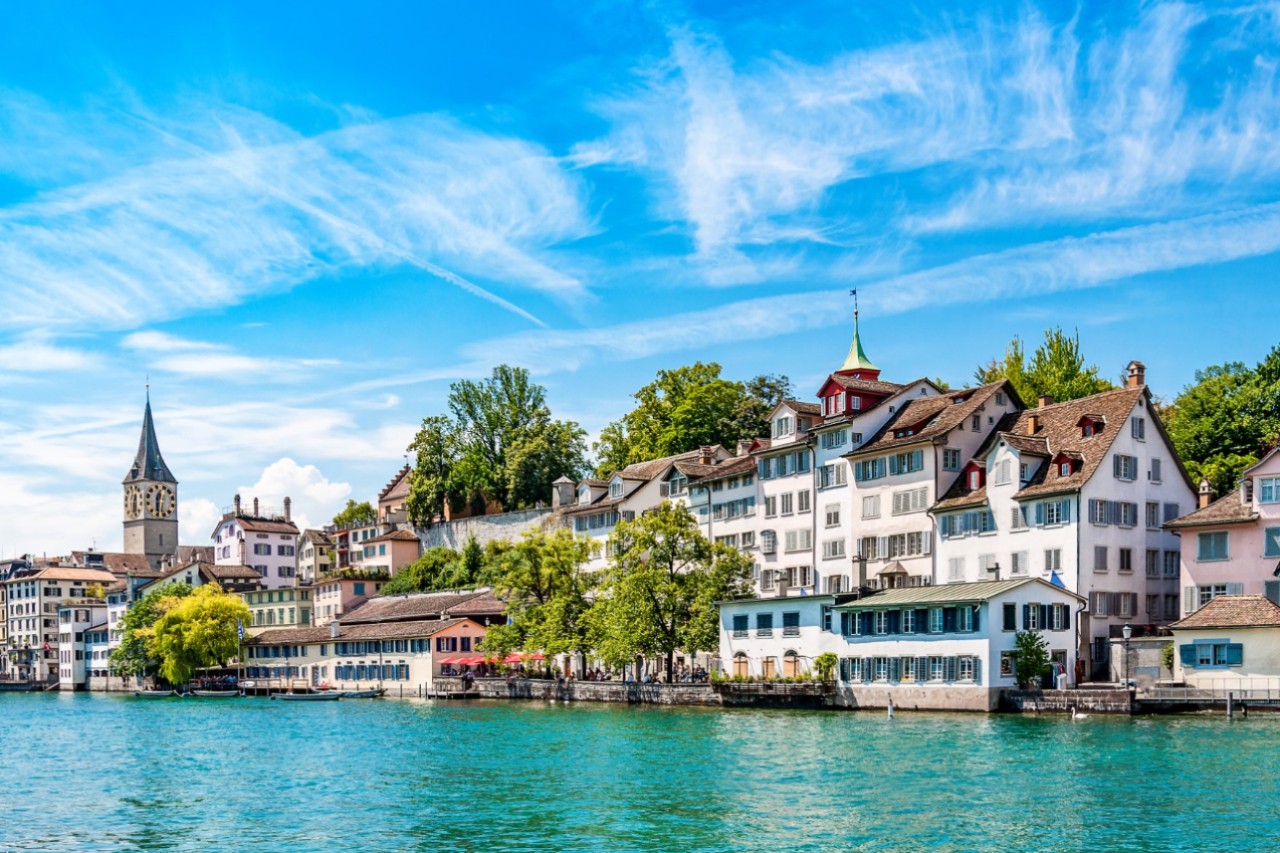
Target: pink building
1232	545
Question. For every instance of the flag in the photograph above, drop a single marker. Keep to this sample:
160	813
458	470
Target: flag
239	629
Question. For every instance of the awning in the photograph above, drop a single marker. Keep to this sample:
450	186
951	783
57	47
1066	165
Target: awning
449	660
470	661
519	657
894	568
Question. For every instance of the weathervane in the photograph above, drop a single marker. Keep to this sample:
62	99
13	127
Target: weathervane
854	294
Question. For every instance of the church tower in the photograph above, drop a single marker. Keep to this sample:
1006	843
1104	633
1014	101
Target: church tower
150	499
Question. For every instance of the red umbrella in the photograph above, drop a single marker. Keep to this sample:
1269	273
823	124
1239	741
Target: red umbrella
448	660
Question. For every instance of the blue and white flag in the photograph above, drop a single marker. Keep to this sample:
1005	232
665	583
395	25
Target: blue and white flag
239	629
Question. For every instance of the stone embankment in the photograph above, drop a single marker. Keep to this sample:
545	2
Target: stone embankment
1085	701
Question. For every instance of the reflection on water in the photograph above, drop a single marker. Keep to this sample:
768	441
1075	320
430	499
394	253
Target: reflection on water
118	773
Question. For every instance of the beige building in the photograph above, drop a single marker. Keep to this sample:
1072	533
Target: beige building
291	607
1232	643
340	593
31	613
389	552
316	555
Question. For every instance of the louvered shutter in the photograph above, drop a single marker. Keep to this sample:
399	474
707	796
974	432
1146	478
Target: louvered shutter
977	619
922	620
1235	589
977	661
952	669
1188	599
1039	515
1026	616
867	670
1187	652
893	464
895	669
922	669
1235	654
1066	511
882	547
1044	616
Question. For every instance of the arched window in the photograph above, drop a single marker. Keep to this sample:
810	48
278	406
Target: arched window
741	666
790	664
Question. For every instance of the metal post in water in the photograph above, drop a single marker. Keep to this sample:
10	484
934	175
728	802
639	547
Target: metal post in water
1230	705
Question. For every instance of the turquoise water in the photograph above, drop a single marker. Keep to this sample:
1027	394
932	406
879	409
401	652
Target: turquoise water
88	772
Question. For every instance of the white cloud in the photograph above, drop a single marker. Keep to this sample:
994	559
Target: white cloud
35	354
197	518
249	207
191	358
315	499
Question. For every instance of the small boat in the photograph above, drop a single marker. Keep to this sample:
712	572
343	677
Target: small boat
307	697
365	694
215	694
155	694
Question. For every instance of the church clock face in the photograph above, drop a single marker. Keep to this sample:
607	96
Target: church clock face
161	501
132	502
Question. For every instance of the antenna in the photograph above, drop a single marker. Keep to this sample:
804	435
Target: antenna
854	294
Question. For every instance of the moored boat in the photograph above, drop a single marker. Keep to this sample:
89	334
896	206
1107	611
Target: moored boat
215	694
155	694
365	694
308	697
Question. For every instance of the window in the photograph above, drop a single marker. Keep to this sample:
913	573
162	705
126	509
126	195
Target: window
788	501
964	619
1153	515
1211	653
1126	561
1031	617
871	506
791	624
770	506
1211	546
799	576
999	398
1125	467
1017	519
907	621
836	438
937	669
951	459
783	426
748	539
1059	618
955	569
1153	563
1140	429
1268	490
1100	558
936	621
1098	602
1172	561
803	501
768	542
966	668
832	474
1003	473
1271	542
764	624
911	500
1018	563
1154	474
799	540
833	549
906	463
1052	560
832	515
869	469
615	488
975	424
870	548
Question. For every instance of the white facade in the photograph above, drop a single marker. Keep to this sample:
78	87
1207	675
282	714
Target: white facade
267	542
32	604
75	617
785	505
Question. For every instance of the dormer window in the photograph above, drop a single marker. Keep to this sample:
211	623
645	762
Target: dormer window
1091	425
1064	469
855	403
783	426
584	496
615	487
975	480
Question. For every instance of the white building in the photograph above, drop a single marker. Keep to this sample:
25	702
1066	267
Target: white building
316	555
265	539
900	471
939	647
1231	644
1077	492
787	520
76	619
32	602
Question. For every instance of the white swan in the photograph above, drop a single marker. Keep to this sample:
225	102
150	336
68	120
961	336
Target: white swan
1076	715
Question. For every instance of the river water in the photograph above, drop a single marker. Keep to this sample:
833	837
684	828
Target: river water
92	772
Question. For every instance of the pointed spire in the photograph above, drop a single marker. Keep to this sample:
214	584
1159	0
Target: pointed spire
149	464
857	358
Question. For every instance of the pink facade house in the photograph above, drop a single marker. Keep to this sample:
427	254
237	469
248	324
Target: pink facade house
1231	546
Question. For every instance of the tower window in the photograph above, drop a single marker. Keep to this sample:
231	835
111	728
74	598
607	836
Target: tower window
161	540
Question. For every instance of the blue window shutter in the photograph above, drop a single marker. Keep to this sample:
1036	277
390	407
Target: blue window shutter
922	620
917	459
1235	654
893	464
977	626
895	669
1039	515
977	661
1044	616
1026	616
1187	651
866	669
1066	510
894	622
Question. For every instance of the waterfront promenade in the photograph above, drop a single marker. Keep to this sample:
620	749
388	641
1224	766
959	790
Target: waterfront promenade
98	772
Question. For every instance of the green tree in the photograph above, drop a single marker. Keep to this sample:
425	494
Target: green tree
438	569
542	578
135	655
499	444
355	514
1031	657
199	632
685	408
1226	420
661	593
825	664
1057	368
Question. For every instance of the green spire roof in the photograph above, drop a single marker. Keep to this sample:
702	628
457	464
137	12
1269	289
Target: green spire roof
856	359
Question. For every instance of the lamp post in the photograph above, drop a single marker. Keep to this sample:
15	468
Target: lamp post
1127	631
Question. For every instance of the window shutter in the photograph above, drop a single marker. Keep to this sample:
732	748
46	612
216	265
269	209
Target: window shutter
893	464
977	626
917	460
1187	652
952	669
1066	616
1026	616
1271	589
1189	599
977	661
922	620
1235	654
867	669
1066	510
926	539
895	669
1235	589
882	547
1044	617
1115	465
1040	515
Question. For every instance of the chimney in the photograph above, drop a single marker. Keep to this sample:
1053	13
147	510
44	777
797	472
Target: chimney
861	561
744	447
706	454
237	502
255	507
1033	423
1137	374
288	509
562	493
333	629
1205	493
1044	400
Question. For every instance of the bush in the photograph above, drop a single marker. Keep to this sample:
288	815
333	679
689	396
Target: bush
1032	658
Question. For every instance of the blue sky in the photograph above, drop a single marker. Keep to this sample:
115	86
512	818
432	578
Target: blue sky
302	226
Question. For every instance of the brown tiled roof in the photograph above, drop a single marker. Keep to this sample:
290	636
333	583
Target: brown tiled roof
1234	611
232	572
1228	509
933	417
194	554
698	472
485	604
115	562
396	536
874	386
421	605
71	573
379	631
267	525
317	537
654	467
1036	445
960	497
802	408
1058	426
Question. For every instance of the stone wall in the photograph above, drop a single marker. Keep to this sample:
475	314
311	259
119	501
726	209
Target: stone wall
1086	701
485	528
918	698
1145	666
591	691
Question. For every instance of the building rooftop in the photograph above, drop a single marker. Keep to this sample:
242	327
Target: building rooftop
374	631
1233	611
926	418
951	593
1228	509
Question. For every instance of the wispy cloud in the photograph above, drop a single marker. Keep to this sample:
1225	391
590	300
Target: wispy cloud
192	358
35	353
240	206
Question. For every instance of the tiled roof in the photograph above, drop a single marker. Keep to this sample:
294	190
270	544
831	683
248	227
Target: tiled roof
959	496
114	562
395	481
932	417
383	631
396	536
232	572
317	537
421	605
267	525
648	470
71	573
1234	611
803	408
484	604
950	593
193	554
1058	427
1228	509
874	386
698	472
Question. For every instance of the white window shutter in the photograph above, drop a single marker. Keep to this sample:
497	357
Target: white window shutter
927	541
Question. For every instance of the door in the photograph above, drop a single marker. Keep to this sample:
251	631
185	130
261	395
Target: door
768	668
741	666
791	665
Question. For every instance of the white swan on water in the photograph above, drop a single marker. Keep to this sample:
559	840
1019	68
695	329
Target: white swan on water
1076	715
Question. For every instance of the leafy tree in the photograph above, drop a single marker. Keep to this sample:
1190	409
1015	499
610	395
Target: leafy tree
355	514
825	665
199	632
685	408
542	579
1031	657
500	443
661	593
438	569
134	655
1057	368
1226	420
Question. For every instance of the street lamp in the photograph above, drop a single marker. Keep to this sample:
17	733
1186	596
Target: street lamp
1127	631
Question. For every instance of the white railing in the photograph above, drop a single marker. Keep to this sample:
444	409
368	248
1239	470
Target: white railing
1259	689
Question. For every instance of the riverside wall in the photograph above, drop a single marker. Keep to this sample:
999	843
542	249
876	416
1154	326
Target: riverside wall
1061	701
595	691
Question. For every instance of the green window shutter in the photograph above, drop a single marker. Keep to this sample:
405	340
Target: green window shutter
1066	510
977	662
1187	651
1271	589
1010	617
895	669
867	668
893	464
1026	616
922	621
917	460
1235	654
